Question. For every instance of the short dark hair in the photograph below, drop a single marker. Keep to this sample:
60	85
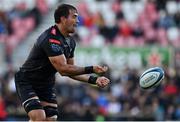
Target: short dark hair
62	10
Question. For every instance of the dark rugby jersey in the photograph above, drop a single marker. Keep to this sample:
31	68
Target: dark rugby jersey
37	67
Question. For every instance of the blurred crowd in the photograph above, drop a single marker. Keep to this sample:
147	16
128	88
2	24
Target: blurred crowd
122	23
122	100
17	19
129	22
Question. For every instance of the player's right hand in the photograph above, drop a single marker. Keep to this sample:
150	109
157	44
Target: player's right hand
102	81
100	69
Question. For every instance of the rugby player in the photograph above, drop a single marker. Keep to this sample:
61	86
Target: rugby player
53	52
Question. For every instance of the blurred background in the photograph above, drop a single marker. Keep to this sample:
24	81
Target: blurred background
129	36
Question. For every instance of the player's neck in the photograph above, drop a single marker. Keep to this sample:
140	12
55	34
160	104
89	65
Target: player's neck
62	30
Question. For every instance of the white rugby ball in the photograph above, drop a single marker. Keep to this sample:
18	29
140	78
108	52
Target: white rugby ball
151	78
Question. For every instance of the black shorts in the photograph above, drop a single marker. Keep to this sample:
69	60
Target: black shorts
27	89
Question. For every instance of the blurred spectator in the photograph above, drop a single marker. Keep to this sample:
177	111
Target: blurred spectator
177	113
3	23
3	113
171	88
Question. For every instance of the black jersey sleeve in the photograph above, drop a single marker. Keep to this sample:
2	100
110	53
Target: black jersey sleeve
52	47
73	43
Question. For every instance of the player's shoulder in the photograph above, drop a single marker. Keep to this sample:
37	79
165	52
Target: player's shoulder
45	34
54	33
50	33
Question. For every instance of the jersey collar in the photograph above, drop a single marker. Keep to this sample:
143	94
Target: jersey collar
58	31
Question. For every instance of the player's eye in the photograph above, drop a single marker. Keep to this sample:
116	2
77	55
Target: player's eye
75	16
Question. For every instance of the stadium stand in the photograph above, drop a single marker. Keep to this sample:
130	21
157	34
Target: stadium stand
126	23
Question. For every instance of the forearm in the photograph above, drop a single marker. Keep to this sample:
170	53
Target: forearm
73	70
83	78
67	68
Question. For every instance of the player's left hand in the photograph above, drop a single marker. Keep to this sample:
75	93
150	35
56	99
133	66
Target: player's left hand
102	81
100	69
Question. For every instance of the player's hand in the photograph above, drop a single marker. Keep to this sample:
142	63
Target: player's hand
102	81
100	69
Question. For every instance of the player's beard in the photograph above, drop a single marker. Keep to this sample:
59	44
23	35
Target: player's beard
71	29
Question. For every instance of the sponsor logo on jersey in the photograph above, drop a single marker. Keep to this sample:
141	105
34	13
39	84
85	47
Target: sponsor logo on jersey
55	47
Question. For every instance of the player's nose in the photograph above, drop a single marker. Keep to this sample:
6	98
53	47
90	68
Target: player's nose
77	20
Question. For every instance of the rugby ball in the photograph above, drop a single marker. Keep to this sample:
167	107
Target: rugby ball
151	78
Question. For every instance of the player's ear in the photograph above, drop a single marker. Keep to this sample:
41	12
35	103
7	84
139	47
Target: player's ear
62	19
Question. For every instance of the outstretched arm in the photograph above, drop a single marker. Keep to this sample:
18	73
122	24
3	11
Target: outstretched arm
83	78
67	69
100	81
